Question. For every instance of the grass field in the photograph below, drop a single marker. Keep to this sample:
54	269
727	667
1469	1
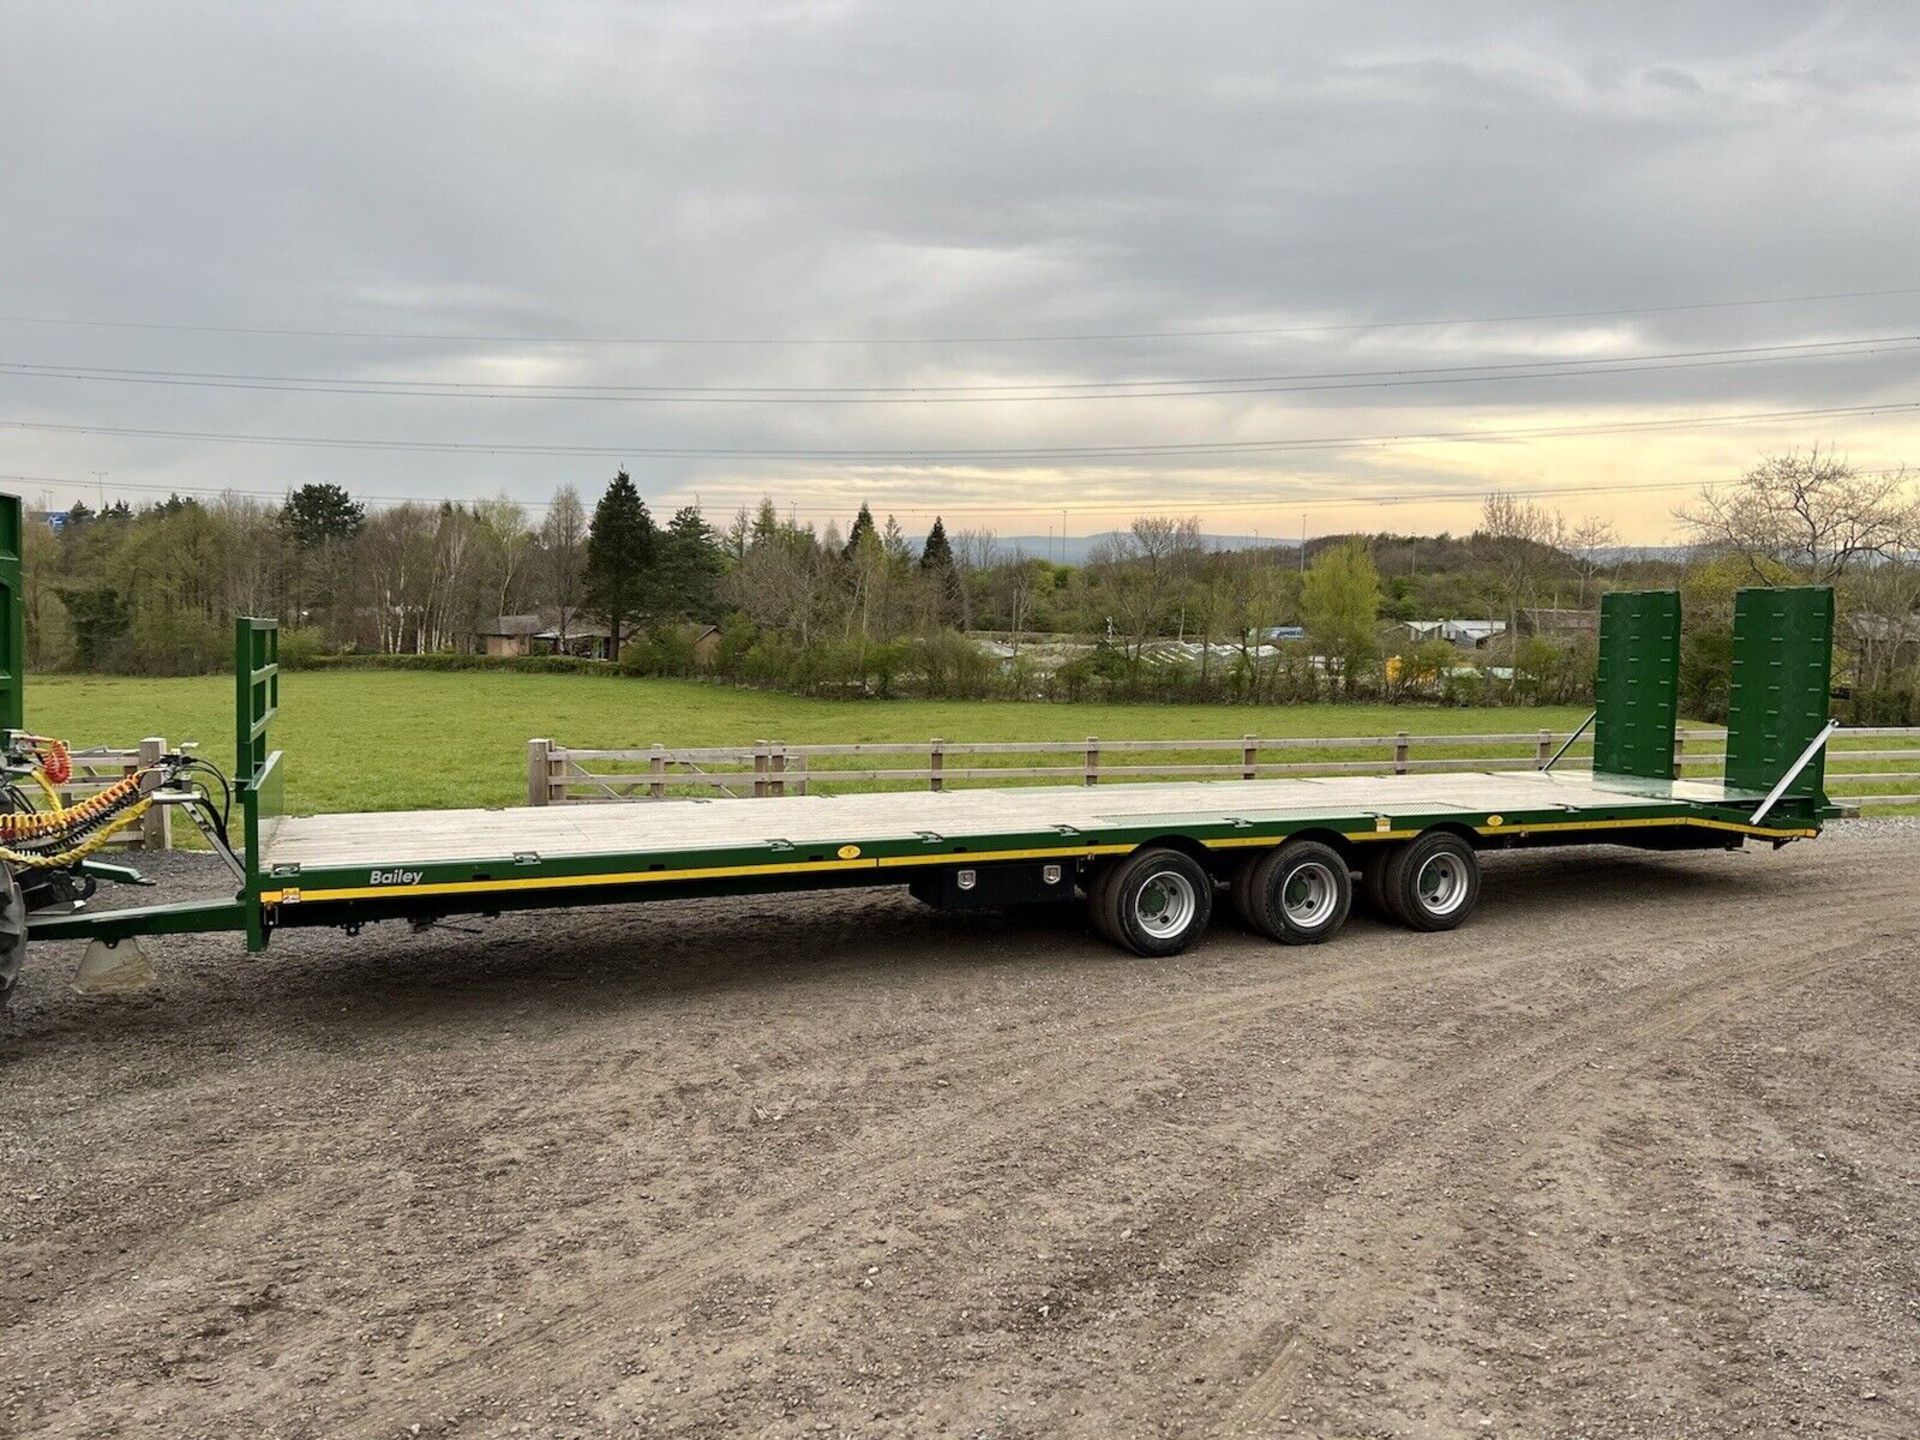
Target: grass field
385	741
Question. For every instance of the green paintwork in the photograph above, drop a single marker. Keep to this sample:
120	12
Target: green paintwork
1778	700
184	917
258	773
1636	685
256	681
13	619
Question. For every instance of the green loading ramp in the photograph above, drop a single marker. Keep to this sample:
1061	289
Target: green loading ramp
1636	684
1778	700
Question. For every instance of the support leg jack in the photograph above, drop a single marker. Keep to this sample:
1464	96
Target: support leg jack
114	967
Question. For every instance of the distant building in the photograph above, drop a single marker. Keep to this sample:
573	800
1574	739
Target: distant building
538	633
1559	624
1461	634
706	644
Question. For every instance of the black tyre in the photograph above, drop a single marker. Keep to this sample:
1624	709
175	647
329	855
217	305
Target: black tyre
1373	880
1097	885
1242	888
1157	902
1301	893
13	933
1432	882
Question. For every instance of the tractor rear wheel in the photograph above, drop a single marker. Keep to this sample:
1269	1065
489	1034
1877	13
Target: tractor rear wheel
13	932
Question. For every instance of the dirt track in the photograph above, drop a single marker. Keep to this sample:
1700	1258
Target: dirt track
1637	1152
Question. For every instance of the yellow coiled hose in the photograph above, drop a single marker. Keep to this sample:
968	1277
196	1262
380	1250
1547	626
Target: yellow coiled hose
95	821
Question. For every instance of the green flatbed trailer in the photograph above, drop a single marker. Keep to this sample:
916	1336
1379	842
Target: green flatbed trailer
1148	859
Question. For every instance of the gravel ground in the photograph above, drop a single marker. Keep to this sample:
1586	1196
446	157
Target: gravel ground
1634	1153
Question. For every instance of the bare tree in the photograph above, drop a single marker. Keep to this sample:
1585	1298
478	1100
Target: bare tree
1013	590
563	544
1520	538
1136	574
1812	512
445	609
975	552
1591	539
509	543
397	553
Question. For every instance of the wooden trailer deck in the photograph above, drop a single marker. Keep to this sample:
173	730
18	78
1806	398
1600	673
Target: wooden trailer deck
956	820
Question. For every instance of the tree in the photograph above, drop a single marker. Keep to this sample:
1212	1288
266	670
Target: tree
1340	604
319	513
862	526
940	594
397	558
620	555
98	615
509	546
766	523
689	565
1136	574
937	553
563	542
1523	541
1591	539
319	521
786	583
1813	512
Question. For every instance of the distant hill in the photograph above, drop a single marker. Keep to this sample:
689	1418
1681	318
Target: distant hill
1041	547
1077	547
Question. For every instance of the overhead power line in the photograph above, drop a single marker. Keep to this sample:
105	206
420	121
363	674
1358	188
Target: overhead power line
942	453
1300	382
453	337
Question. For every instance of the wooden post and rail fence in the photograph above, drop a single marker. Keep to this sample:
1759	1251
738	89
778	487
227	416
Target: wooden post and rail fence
563	775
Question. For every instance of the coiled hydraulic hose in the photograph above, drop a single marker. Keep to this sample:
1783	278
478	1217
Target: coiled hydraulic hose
28	837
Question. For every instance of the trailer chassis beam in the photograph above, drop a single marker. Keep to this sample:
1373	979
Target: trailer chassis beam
187	917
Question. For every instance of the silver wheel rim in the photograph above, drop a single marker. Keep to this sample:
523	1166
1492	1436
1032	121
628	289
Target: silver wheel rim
1164	905
1309	895
1441	884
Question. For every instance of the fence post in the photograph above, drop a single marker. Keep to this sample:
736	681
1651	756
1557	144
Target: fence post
1543	750
1401	742
779	759
538	774
1679	752
759	769
1249	756
800	764
657	768
936	762
1093	760
156	826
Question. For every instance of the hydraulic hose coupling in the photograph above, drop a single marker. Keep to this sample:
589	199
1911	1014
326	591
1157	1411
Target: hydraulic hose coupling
56	760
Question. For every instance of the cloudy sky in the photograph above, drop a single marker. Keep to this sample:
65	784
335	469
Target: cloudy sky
1394	255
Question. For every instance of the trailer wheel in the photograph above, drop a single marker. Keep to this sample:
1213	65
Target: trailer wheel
13	933
1432	882
1373	880
1157	902
1097	886
1241	889
1301	893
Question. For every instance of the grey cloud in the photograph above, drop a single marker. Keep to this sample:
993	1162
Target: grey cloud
896	170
